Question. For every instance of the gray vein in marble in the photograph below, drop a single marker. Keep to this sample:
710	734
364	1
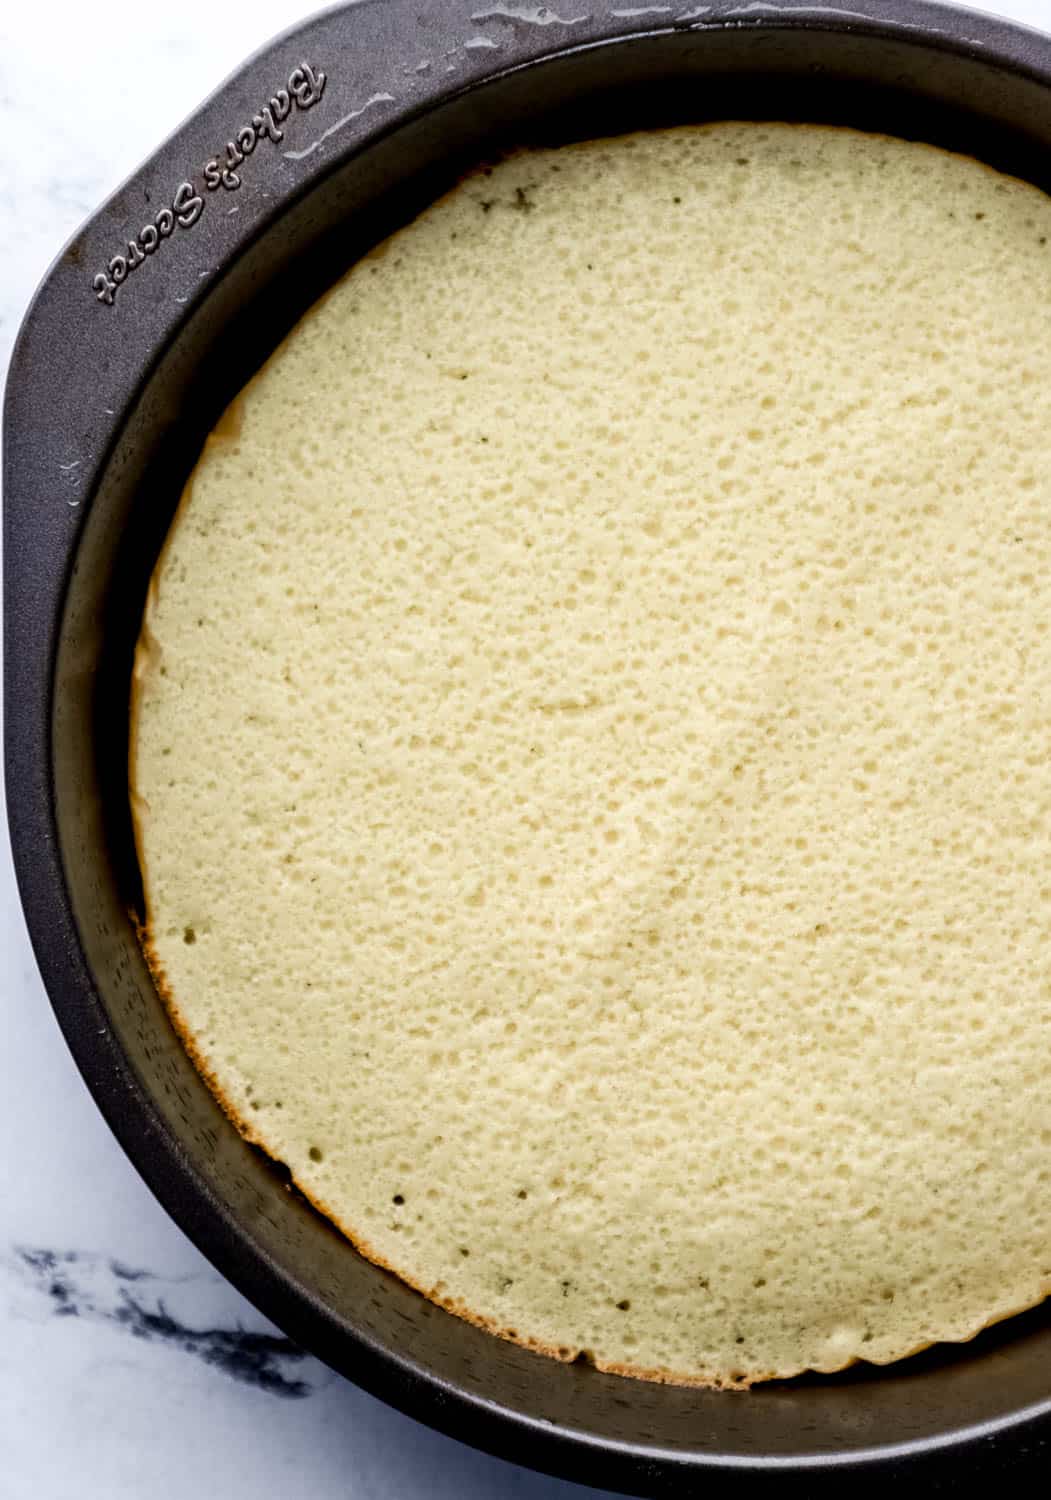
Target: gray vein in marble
95	1288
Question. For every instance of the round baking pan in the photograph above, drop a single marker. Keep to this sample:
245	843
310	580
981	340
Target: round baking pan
154	315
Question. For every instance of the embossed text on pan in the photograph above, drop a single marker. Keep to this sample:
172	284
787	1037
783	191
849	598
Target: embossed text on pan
303	90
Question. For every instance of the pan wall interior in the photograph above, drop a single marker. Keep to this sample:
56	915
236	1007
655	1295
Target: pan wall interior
345	1306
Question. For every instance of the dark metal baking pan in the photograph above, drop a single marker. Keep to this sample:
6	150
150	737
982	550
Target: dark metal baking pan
152	317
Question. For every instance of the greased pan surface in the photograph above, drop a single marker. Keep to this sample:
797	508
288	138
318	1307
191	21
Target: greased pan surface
152	318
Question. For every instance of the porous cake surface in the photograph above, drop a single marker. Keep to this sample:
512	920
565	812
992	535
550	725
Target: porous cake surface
590	751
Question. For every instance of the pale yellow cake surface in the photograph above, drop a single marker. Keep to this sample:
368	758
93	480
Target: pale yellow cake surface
591	752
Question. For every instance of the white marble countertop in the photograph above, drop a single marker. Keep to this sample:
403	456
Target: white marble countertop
99	1398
